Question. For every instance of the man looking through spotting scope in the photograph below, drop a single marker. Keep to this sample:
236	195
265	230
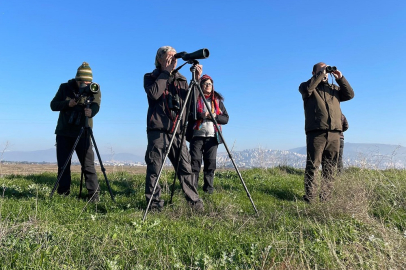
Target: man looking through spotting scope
70	102
323	125
166	93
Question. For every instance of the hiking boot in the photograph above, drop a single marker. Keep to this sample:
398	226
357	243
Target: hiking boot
155	208
93	197
197	206
306	199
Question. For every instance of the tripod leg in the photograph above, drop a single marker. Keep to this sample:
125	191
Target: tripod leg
81	185
101	165
82	166
66	163
228	151
180	151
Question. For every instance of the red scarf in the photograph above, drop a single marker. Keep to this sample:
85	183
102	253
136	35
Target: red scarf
215	109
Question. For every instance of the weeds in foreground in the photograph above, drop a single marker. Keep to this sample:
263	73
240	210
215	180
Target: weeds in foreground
363	226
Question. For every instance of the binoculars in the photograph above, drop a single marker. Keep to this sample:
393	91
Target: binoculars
330	69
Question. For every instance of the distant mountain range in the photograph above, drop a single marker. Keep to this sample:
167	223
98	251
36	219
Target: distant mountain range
370	155
379	156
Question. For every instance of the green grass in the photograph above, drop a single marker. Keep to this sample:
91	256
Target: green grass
362	227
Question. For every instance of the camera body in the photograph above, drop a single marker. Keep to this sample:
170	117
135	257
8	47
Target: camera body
174	102
330	69
84	97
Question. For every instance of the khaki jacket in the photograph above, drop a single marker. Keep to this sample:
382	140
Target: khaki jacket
321	103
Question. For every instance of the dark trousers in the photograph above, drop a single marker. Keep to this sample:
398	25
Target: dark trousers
158	143
205	147
64	146
322	148
340	164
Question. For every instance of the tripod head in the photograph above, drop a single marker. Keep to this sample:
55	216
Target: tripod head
193	62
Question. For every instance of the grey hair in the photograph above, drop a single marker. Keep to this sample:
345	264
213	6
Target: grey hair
162	51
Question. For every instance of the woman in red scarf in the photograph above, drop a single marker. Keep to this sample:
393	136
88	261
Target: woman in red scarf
203	134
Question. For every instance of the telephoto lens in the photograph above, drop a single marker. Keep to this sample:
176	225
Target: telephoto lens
89	89
330	69
94	88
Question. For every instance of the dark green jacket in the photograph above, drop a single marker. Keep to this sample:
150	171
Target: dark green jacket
60	103
321	102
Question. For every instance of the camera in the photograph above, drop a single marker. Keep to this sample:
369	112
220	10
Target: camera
83	97
89	89
330	69
199	54
173	102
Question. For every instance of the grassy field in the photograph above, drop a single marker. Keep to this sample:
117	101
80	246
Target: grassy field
26	169
362	227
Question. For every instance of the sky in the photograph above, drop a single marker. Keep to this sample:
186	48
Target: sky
260	52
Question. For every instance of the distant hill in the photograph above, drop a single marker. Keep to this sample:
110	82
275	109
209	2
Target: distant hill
373	156
48	155
379	156
264	158
370	155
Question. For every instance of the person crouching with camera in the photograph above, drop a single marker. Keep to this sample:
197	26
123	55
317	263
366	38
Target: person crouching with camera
70	103
203	134
166	93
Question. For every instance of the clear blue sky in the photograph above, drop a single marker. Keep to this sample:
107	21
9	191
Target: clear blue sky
260	51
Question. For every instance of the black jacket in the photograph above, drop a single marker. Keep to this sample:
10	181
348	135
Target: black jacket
158	85
60	103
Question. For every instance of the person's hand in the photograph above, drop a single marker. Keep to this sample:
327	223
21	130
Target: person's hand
337	74
72	103
199	71
88	112
169	63
322	70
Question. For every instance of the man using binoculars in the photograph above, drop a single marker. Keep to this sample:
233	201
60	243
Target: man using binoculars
70	101
166	93
323	126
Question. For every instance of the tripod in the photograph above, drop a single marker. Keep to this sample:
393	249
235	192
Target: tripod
86	130
188	102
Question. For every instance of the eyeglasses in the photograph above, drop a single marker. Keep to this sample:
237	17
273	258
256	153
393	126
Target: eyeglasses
207	84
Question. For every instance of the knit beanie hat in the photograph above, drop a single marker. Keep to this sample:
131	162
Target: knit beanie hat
84	73
204	78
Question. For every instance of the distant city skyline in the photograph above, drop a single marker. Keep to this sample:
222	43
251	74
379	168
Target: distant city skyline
372	156
260	51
